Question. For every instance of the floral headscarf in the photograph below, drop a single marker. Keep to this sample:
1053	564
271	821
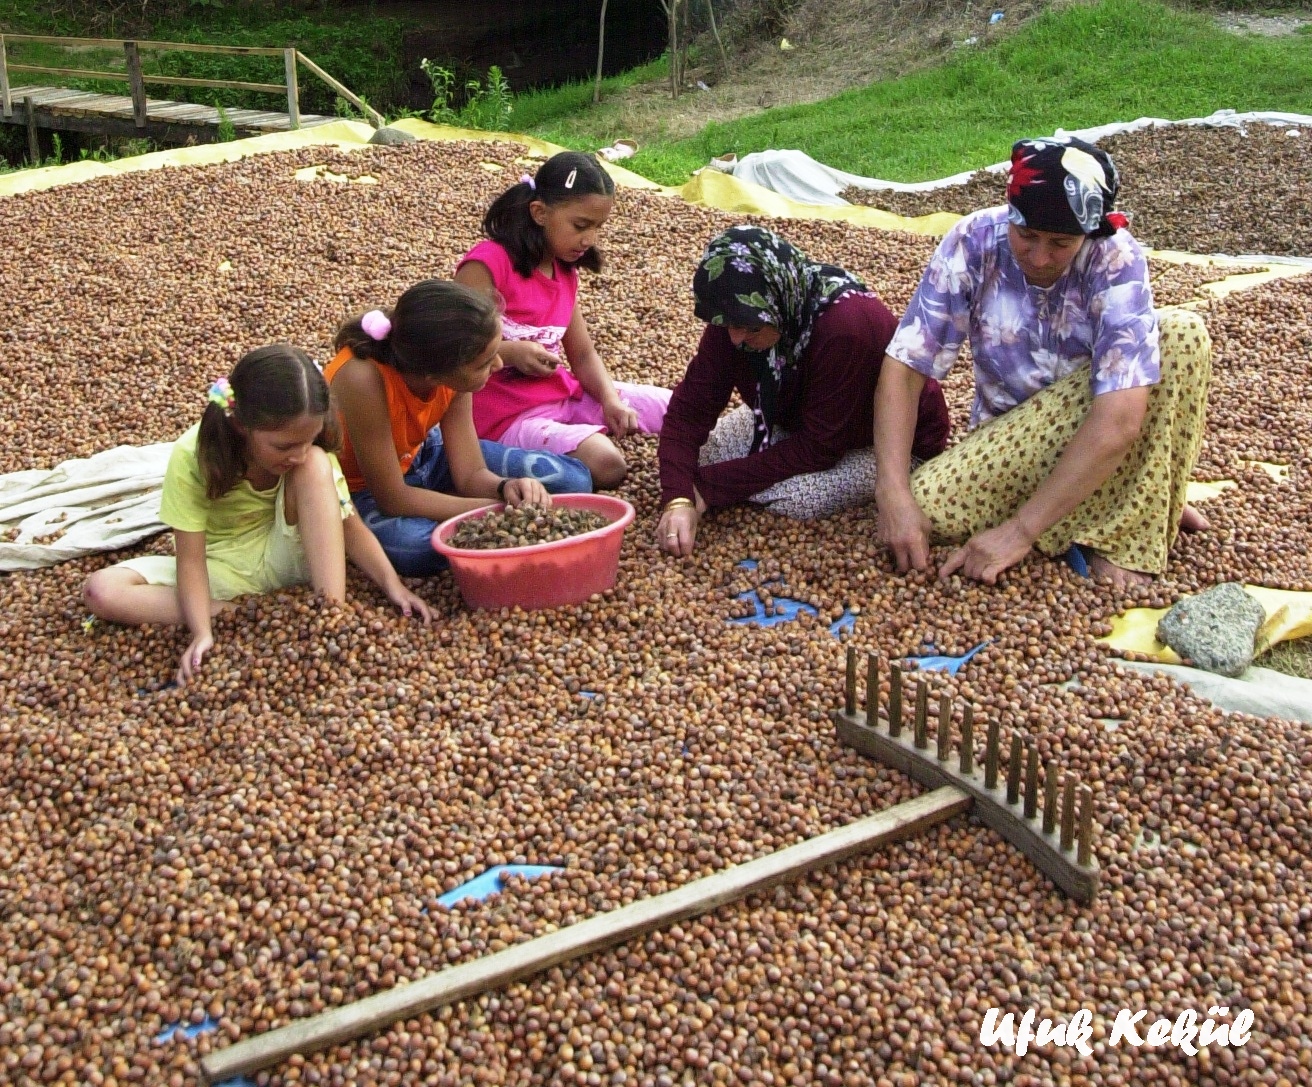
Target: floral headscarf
1064	185
750	277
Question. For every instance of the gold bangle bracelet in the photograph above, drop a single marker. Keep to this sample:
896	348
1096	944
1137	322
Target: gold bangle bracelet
678	504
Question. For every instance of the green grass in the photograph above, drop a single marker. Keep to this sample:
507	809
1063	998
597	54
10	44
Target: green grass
1072	68
1293	658
568	111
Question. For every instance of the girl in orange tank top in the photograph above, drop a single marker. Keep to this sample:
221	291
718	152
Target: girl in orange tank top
402	381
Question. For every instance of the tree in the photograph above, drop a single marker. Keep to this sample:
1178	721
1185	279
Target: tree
601	50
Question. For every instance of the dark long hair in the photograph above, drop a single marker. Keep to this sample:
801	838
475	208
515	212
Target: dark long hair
509	222
271	386
438	326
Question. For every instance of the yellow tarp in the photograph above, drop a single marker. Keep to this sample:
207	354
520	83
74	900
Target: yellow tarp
1288	616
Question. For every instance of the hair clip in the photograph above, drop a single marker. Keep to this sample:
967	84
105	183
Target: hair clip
573	176
525	179
376	325
221	394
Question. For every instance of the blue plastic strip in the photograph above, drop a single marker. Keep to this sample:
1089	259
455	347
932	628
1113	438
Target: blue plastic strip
491	882
1076	560
791	610
846	621
951	665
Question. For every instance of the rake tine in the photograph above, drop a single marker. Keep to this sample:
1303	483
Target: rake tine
968	740
1068	814
922	714
1031	780
849	702
1013	771
1086	826
872	689
895	699
991	756
944	725
1050	797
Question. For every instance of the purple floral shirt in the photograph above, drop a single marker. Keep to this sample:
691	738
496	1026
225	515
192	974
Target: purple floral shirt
1024	338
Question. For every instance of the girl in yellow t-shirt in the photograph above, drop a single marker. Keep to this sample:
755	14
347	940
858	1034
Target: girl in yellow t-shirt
257	502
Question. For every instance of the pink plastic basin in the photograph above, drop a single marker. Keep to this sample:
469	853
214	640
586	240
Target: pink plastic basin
543	575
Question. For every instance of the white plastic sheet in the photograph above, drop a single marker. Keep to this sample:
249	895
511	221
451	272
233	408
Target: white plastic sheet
91	504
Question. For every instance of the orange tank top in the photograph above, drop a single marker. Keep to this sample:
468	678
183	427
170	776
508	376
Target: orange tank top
410	417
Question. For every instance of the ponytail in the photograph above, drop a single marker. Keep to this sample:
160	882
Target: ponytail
436	327
270	387
562	178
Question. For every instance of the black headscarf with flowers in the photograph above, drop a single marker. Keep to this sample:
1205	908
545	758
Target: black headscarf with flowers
1064	185
748	277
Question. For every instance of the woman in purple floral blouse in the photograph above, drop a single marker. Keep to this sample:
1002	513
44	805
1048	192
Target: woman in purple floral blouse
1089	404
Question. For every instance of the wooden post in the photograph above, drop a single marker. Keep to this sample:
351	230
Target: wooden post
137	84
597	933
293	91
33	142
6	102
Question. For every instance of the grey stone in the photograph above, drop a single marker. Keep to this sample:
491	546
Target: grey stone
1214	629
390	137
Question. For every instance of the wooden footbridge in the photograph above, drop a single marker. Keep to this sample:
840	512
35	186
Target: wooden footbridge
133	114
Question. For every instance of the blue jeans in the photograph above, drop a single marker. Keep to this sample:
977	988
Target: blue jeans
408	540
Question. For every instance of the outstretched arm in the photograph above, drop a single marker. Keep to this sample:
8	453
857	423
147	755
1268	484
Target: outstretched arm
363	549
194	600
903	526
593	376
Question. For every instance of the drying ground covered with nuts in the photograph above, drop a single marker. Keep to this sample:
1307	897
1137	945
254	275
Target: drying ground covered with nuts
271	842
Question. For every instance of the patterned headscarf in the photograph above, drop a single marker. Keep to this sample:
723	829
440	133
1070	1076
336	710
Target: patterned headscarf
750	277
1064	185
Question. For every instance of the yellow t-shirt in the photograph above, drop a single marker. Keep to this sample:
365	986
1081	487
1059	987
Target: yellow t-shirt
234	524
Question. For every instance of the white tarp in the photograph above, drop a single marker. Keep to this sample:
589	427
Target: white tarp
1259	691
798	176
98	503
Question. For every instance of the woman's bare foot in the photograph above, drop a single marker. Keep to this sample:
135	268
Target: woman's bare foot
1193	521
1102	567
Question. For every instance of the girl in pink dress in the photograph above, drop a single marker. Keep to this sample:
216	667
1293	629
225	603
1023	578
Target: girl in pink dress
539	233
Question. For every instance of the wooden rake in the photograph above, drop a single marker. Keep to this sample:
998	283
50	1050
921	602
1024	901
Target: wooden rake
1012	808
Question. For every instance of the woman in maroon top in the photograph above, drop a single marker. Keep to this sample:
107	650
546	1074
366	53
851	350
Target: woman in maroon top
802	344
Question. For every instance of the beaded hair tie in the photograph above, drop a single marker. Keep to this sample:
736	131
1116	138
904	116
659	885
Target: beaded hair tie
221	394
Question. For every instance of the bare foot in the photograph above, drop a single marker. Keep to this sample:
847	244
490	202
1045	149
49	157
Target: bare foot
1102	567
1193	521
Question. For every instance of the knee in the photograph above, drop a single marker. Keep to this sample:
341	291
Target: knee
98	594
315	468
608	468
1182	334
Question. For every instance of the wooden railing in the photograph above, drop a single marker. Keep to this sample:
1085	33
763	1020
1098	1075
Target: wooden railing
137	80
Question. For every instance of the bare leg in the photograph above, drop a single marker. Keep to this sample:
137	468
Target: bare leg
604	461
1191	520
122	596
311	502
1102	567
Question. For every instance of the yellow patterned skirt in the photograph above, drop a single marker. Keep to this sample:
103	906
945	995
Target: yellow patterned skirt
1133	517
